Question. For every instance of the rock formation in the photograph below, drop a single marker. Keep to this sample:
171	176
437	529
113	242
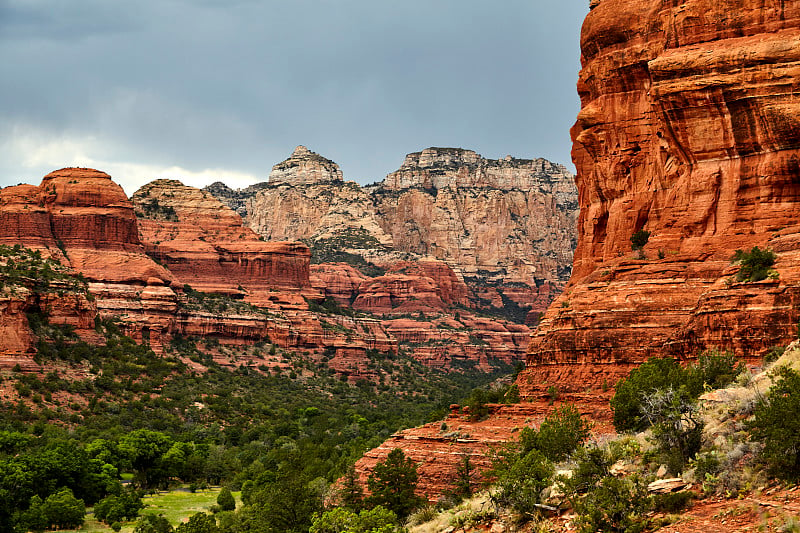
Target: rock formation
506	227
687	130
305	167
79	215
501	224
205	245
438	448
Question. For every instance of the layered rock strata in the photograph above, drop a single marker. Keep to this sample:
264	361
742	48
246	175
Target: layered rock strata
506	227
80	216
687	130
423	306
205	245
83	219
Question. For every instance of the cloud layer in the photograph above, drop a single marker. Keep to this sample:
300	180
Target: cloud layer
204	90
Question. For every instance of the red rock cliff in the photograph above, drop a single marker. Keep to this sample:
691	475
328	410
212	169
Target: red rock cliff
688	129
205	245
82	213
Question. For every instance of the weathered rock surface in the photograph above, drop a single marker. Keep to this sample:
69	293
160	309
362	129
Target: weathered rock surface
688	130
79	215
494	221
506	227
305	167
205	244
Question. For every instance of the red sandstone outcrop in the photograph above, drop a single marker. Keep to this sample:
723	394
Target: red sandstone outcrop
79	215
205	245
340	281
498	223
422	305
438	448
83	219
687	129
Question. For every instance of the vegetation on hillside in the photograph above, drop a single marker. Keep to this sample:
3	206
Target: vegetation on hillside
754	265
23	267
279	436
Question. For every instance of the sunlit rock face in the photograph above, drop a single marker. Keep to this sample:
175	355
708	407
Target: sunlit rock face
506	227
688	129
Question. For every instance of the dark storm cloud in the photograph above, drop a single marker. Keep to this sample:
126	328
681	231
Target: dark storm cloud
234	86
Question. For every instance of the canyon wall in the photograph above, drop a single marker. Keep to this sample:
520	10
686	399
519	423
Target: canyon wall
505	227
688	130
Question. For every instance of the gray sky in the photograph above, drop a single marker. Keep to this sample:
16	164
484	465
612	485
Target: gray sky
204	90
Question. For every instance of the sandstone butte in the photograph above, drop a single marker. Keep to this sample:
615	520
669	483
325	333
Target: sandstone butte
688	129
506	227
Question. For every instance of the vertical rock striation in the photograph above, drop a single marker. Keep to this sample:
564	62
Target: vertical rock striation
688	129
506	227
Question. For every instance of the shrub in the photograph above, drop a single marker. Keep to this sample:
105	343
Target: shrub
639	239
561	432
152	523
520	482
655	373
117	508
225	500
341	520
672	502
614	504
777	425
755	264
677	427
199	523
712	370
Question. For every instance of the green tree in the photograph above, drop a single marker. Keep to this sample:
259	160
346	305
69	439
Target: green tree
225	500
115	508
60	510
145	450
777	425
199	523
561	432
351	494
341	520
639	239
392	484
463	484
677	426
655	373
152	523
755	264
614	505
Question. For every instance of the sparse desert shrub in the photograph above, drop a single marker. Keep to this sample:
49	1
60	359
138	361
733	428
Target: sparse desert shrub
560	433
677	429
755	264
614	504
639	239
422	515
673	501
520	482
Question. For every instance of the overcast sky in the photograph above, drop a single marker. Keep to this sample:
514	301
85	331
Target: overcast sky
209	90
